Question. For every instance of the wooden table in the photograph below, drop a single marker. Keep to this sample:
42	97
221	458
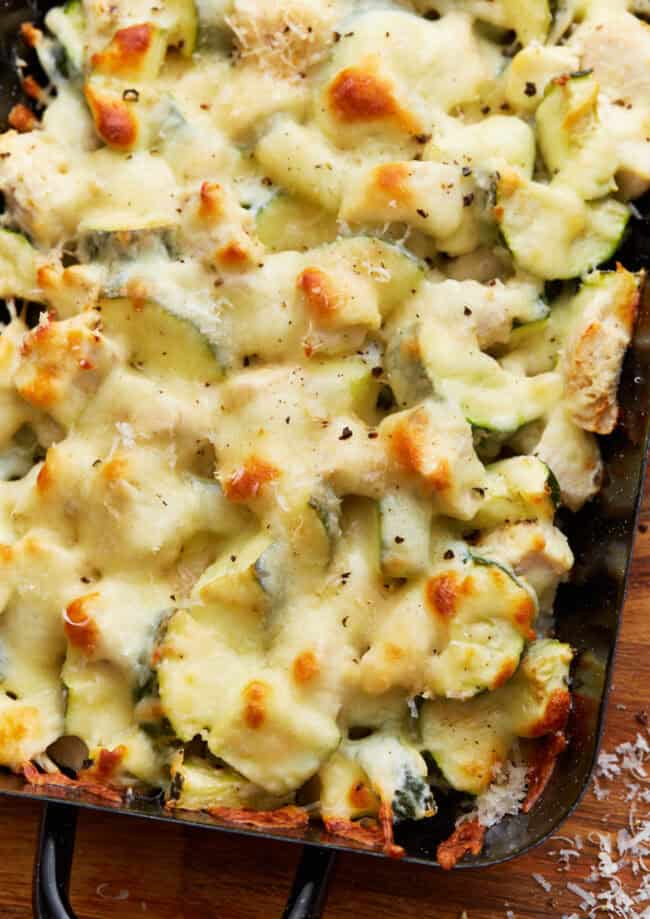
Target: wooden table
127	868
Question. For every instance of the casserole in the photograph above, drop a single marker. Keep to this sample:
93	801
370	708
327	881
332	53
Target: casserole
590	666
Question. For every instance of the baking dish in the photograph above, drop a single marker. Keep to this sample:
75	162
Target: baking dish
588	613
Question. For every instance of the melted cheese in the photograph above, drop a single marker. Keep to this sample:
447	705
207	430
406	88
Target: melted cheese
257	535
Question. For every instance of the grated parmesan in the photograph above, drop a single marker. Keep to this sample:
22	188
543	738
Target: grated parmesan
543	883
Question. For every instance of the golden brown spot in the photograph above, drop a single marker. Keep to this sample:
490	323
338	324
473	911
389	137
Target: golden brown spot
232	255
392	180
126	52
16	726
74	338
31	88
358	95
504	674
408	444
246	483
114	122
443	592
41	390
22	119
80	628
524	615
138	293
305	667
440	478
105	766
538	543
468	837
38	338
6	553
46	277
30	34
361	797
115	469
393	652
510	182
555	715
44	479
255	709
211	200
628	303
317	288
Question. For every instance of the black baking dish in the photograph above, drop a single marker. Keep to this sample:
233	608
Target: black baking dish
588	614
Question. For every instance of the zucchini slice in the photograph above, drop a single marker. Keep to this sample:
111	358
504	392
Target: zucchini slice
483	613
68	25
346	386
159	341
134	53
405	524
552	232
470	740
490	397
183	31
397	773
577	149
519	488
197	784
288	222
236	577
17	265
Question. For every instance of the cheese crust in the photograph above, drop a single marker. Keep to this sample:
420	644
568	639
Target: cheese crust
282	444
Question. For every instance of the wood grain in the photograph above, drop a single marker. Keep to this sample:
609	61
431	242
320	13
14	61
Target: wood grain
130	869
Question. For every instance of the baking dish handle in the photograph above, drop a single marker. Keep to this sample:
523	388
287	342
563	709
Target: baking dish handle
53	862
56	850
309	892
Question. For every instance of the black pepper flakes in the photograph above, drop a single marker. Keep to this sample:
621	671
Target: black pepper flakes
422	138
468	199
642	718
530	89
466	171
373	435
131	95
467	311
399	540
449	554
424	214
346	433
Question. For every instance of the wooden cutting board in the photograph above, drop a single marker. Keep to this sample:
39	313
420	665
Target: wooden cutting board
128	868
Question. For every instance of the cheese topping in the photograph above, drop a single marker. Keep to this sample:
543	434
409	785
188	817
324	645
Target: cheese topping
282	444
